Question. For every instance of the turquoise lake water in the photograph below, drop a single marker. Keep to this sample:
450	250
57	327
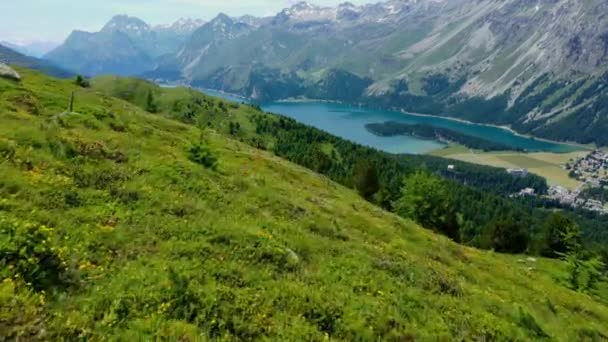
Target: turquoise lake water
349	123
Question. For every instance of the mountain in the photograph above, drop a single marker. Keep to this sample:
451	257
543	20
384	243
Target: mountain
183	25
538	66
116	223
125	45
34	49
155	41
13	57
106	52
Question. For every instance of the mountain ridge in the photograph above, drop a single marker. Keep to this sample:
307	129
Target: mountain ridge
475	51
535	66
125	45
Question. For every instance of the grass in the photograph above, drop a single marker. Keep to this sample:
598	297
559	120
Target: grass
545	164
449	150
154	245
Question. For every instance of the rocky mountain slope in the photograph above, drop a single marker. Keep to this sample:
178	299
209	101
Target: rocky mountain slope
537	65
125	45
118	223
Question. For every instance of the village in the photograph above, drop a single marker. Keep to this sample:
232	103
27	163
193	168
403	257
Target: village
592	171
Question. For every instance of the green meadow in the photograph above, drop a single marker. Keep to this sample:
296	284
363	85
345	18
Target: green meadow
121	224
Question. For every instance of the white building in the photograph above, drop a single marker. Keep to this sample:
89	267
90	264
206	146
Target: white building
518	172
527	192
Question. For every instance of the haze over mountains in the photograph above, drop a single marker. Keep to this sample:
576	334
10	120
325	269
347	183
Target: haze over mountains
10	56
536	65
34	49
125	45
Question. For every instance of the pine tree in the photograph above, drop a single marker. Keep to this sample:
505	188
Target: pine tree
426	199
553	234
150	103
584	269
365	179
82	82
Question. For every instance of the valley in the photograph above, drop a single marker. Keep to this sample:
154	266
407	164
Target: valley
544	158
391	170
349	122
404	133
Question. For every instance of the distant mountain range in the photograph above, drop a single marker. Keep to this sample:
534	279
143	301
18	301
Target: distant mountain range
539	66
34	49
12	57
125	45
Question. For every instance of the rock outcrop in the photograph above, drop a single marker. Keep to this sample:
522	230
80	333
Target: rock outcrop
8	72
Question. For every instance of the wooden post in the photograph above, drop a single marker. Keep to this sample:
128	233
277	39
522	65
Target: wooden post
71	109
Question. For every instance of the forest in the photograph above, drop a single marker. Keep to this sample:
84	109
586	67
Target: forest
391	128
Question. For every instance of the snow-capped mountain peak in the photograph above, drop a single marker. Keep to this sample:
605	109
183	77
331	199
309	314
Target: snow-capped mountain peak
304	11
187	24
126	24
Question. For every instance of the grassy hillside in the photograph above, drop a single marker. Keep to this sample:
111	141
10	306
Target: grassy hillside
117	224
482	192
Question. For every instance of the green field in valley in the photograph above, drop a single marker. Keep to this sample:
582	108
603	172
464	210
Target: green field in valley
548	165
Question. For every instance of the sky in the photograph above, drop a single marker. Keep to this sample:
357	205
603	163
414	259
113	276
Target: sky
52	20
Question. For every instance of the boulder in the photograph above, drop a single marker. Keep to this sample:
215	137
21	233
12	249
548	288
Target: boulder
292	260
8	72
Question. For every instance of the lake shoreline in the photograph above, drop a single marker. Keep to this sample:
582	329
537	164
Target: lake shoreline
464	121
505	127
303	100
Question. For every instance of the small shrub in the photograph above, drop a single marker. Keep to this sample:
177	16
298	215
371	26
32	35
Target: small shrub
22	318
258	143
325	317
102	113
396	268
91	124
27	252
529	323
183	302
590	334
328	231
201	154
7	150
57	198
443	284
232	277
100	178
118	126
180	208
82	82
125	196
